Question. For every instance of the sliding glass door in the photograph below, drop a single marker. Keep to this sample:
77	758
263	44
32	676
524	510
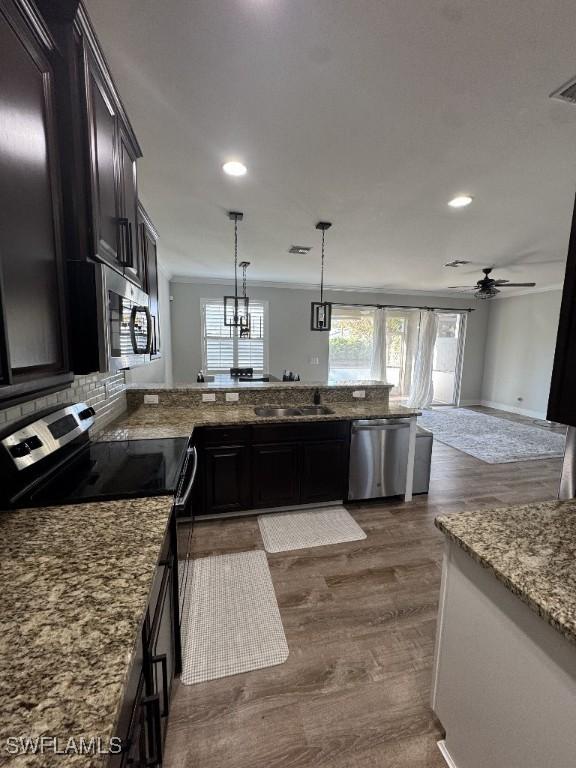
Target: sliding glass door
352	340
447	367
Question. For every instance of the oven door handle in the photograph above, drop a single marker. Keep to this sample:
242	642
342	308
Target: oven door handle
133	314
182	500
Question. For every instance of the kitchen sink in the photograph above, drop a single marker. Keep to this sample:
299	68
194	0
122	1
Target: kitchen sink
270	410
302	410
315	410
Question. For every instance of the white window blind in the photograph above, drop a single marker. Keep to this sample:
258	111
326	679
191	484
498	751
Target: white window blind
222	349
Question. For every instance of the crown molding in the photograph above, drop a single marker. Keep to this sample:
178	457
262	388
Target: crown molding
314	287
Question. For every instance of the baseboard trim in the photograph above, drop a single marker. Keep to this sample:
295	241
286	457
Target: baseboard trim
445	754
513	409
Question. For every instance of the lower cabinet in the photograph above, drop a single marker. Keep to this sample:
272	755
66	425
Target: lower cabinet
324	471
272	465
275	475
143	718
227	478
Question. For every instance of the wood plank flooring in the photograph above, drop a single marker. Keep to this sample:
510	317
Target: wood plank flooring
360	622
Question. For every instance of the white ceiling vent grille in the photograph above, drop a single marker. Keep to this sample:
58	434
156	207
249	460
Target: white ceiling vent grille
300	250
567	92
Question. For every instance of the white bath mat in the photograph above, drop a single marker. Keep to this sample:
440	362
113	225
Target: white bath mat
232	622
284	531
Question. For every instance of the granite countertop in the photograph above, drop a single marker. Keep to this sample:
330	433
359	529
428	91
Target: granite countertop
155	421
531	549
75	585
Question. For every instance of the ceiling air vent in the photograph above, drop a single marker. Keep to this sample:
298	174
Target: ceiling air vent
456	263
301	250
567	92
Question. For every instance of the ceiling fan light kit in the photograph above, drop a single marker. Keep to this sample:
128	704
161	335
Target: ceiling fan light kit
488	288
321	311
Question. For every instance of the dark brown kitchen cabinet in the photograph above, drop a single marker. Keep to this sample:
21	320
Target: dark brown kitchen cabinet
145	708
226	478
149	250
323	471
275	475
102	128
562	402
33	339
131	258
113	153
272	465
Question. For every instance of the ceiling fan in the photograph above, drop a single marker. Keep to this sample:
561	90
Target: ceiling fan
487	288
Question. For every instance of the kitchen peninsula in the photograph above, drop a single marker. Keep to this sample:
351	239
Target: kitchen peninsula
267	445
505	673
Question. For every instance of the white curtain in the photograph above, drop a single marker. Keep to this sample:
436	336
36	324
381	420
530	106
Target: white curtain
422	388
378	364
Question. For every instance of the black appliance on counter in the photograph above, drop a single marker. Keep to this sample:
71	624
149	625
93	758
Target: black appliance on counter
48	459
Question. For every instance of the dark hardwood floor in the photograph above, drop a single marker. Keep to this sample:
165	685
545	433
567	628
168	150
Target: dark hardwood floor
360	623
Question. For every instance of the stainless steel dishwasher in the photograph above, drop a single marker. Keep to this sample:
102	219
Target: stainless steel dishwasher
378	458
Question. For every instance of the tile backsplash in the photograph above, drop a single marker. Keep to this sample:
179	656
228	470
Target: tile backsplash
105	392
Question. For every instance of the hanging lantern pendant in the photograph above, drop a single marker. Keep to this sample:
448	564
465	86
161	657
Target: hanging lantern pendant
321	311
245	320
236	307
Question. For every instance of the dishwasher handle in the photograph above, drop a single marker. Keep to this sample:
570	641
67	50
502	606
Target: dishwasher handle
379	427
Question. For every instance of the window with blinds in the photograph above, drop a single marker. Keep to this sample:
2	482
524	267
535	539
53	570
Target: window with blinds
222	349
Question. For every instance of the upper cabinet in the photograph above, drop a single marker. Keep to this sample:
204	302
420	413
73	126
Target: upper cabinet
33	339
149	249
113	151
562	403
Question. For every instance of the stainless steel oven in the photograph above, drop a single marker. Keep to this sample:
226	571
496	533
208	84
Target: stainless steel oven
111	326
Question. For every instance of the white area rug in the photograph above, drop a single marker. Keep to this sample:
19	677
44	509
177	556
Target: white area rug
232	623
489	438
284	531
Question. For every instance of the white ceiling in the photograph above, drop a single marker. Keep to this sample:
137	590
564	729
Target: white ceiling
368	113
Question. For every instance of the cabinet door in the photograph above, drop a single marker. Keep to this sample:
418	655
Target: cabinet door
275	474
162	654
32	330
129	245
149	252
323	471
562	403
104	171
226	478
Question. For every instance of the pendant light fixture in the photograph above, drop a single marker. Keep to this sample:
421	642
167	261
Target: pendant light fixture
245	328
321	315
236	307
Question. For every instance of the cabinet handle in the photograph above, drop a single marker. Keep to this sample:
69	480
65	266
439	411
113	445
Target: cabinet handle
161	659
152	707
133	315
126	226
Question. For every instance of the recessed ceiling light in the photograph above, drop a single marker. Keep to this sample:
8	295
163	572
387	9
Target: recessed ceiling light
461	201
234	168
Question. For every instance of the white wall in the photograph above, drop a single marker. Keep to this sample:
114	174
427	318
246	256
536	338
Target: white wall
158	371
519	353
293	345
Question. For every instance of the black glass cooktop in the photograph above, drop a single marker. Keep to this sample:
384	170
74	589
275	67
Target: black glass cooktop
116	470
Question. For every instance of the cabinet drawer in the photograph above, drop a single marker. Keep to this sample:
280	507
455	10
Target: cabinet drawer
317	430
225	435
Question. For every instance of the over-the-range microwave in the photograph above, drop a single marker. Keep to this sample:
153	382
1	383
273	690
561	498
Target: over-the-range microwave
110	323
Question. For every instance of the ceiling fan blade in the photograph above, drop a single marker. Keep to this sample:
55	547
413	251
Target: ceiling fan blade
501	282
518	285
464	287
